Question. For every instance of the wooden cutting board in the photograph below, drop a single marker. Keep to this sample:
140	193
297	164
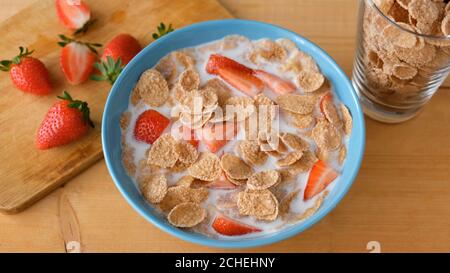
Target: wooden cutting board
27	174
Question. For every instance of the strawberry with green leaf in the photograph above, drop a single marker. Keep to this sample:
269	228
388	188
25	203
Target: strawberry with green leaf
66	121
27	73
117	53
162	30
77	59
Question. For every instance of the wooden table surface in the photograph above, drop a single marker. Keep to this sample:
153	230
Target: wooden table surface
400	200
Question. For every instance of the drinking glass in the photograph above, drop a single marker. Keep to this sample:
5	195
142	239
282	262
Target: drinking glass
398	64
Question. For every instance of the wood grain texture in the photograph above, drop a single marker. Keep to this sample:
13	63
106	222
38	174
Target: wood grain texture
33	174
399	199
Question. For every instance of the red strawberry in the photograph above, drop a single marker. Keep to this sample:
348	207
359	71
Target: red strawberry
216	135
275	83
74	14
118	53
222	183
230	227
123	46
149	126
319	178
216	61
235	74
66	121
77	59
27	73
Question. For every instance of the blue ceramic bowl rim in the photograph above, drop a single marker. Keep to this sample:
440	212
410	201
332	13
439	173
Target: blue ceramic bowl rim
358	121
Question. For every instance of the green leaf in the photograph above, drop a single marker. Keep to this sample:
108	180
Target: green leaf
98	78
16	60
162	30
65	96
109	70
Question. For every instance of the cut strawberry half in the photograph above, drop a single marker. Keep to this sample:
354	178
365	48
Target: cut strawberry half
222	183
319	178
217	135
230	227
77	59
74	15
275	83
237	75
149	126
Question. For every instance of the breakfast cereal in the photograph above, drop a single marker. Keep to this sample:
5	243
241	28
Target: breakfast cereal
235	133
399	58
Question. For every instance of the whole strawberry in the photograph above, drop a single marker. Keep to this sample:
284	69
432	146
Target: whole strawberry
77	59
123	46
27	73
117	53
74	14
66	121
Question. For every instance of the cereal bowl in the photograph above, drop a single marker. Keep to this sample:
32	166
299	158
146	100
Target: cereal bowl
201	33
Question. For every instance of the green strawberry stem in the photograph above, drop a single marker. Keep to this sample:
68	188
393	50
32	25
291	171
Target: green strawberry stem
80	105
109	70
5	65
162	30
67	40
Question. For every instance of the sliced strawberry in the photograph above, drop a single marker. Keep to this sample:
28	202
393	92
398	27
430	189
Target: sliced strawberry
230	227
222	183
319	178
74	15
77	59
149	126
275	83
217	61
216	135
237	75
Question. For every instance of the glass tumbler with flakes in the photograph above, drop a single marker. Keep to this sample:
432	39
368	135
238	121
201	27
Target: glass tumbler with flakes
402	55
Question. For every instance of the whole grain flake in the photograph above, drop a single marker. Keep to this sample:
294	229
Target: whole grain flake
261	204
153	88
207	168
182	193
186	215
263	180
235	167
153	187
326	136
163	152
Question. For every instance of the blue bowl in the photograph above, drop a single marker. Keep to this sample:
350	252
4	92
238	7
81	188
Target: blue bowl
202	33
